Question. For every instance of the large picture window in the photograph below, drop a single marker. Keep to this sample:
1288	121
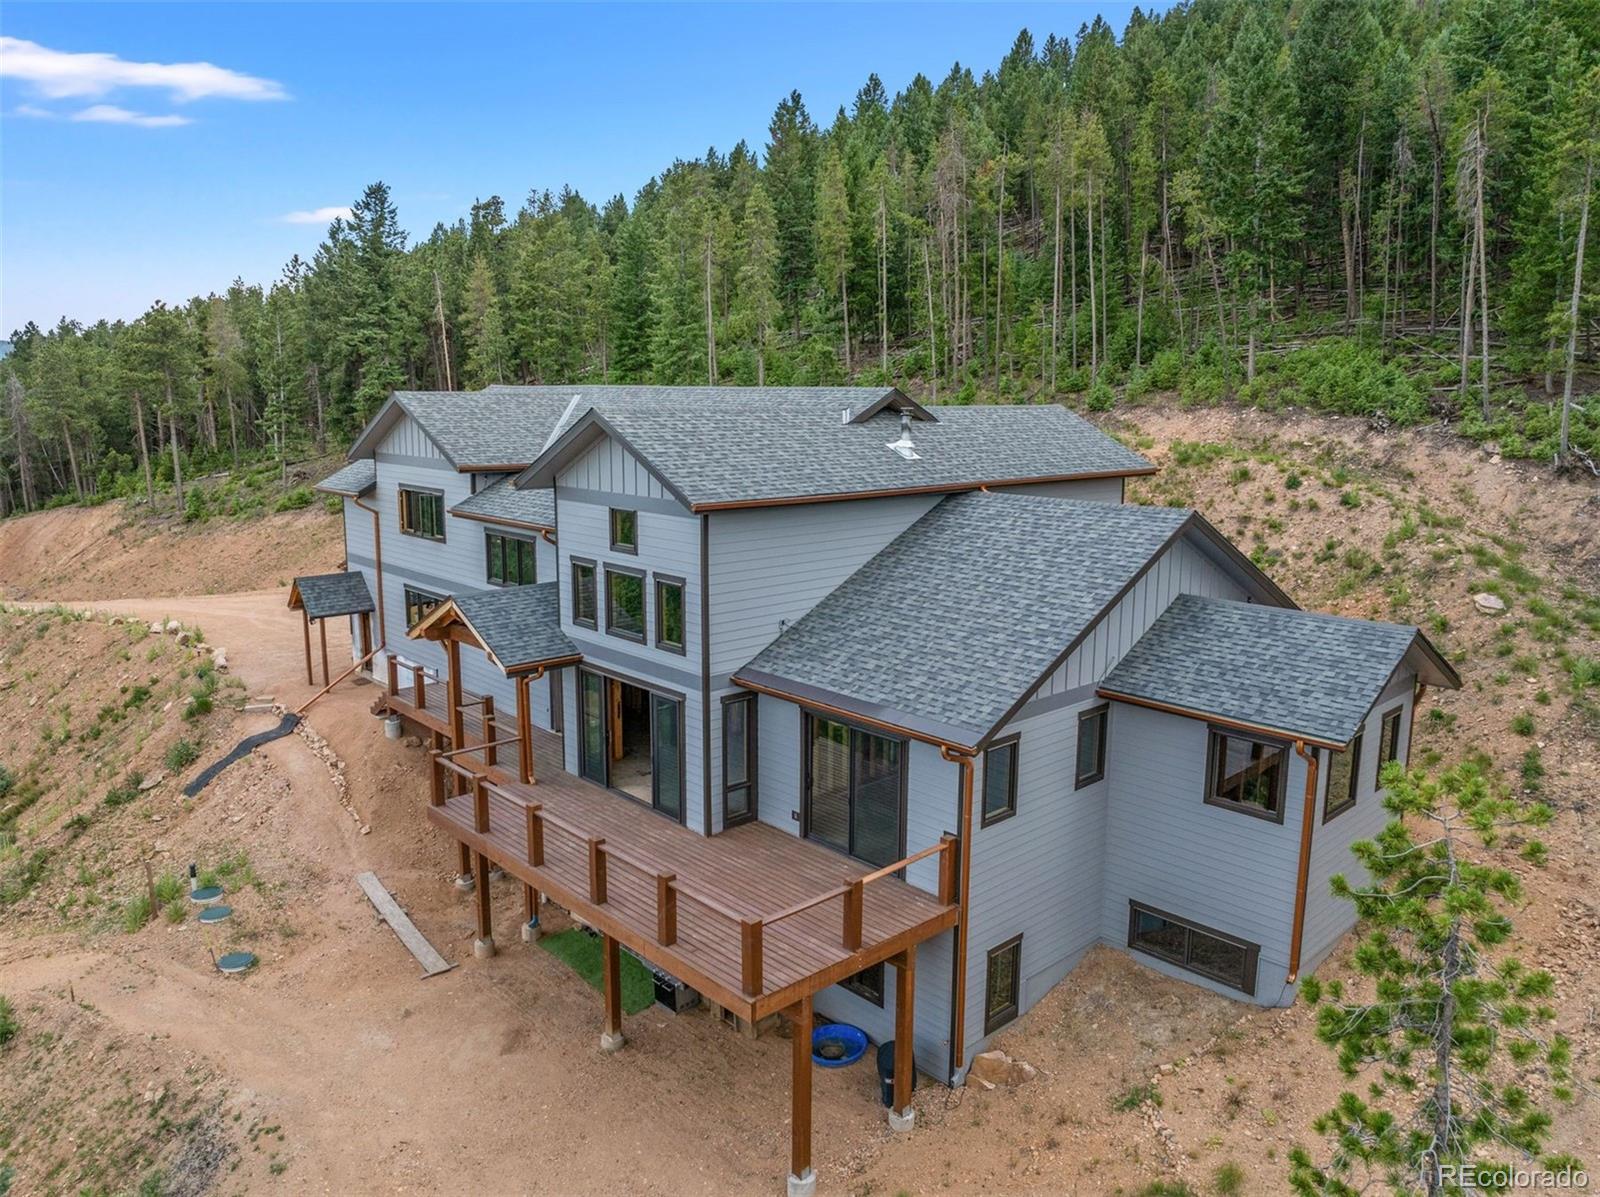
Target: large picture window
1344	772
738	759
583	593
510	559
418	604
1000	781
1190	946
422	513
1002	993
625	604
1246	774
855	790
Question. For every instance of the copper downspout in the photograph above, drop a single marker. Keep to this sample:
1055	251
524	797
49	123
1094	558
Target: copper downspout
377	556
1304	877
958	1032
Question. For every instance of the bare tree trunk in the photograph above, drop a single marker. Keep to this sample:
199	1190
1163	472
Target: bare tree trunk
19	425
1483	267
711	325
1138	322
933	340
1105	285
844	299
1094	337
444	332
1055	291
883	285
1572	311
999	266
144	450
72	463
1466	312
1072	244
177	463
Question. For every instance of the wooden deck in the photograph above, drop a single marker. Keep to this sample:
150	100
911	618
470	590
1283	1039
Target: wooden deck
754	918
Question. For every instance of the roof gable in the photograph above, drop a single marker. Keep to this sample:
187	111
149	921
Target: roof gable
326	596
518	627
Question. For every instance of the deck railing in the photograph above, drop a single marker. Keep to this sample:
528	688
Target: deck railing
600	855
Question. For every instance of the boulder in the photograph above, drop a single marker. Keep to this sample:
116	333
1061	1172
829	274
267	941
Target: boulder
997	1068
1488	604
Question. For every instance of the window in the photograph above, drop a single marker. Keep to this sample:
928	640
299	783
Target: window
511	559
669	614
666	755
1004	987
1191	946
1092	744
625	604
422	513
1344	772
738	759
1000	781
624	530
855	790
866	984
583	599
418	604
1246	774
1389	738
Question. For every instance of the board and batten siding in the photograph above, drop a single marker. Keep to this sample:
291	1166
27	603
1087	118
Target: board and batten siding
932	811
1327	917
608	476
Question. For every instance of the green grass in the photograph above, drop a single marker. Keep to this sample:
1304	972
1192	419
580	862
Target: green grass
8	1022
580	952
1136	1097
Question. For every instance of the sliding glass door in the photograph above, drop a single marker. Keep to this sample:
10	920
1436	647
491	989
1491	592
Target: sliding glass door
855	783
631	741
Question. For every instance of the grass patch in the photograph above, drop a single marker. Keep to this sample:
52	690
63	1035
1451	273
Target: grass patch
1136	1097
580	952
8	1021
181	755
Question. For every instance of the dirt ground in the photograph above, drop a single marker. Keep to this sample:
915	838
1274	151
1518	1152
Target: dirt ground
333	1067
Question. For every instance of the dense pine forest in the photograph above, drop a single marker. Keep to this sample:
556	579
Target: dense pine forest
1375	207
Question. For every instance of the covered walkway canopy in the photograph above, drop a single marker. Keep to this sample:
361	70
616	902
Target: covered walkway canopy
320	597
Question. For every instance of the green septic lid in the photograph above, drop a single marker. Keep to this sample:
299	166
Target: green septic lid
237	962
206	894
216	914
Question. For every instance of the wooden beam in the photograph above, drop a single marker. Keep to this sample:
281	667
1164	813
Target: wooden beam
458	721
466	859
394	674
322	633
491	754
905	991
535	834
750	950
800	1089
485	927
305	626
854	902
597	870
611	984
524	733
666	910
366	633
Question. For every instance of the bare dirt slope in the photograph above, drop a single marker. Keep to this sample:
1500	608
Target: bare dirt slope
109	552
334	1067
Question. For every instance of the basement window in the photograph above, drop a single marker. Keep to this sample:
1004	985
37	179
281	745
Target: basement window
867	984
1190	946
1002	991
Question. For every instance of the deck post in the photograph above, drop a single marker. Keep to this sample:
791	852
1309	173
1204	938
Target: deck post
854	900
394	673
480	806
597	870
465	877
530	913
305	626
483	946
535	834
458	720
902	1116
611	986
419	688
666	910
750	947
435	779
802	1180
322	633
491	754
947	870
524	733
365	621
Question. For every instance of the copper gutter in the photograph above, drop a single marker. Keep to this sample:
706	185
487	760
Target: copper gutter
851	716
1259	729
501	519
944	488
958	1014
1304	876
377	556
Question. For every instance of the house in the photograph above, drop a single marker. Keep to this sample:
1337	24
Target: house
827	702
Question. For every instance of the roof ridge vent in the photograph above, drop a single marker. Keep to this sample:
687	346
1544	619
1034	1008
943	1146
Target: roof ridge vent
903	446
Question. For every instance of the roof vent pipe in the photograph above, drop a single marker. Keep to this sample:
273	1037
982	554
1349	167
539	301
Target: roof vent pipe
903	446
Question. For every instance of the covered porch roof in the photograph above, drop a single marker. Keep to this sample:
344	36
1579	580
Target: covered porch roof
328	596
517	627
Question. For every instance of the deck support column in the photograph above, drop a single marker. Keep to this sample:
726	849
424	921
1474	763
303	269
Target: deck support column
902	1115
452	691
305	626
483	946
611	1039
322	633
524	733
530	914
802	1179
464	875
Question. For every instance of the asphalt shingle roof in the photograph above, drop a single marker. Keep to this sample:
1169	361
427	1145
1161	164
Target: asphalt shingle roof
327	595
519	625
487	429
1297	672
355	478
946	629
504	502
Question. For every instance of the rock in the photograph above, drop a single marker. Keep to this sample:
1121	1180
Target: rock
413	741
1488	604
997	1068
157	628
220	660
173	627
153	781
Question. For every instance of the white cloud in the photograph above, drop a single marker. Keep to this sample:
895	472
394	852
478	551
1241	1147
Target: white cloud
110	114
33	110
315	216
59	75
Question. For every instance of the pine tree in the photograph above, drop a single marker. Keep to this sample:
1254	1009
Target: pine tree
756	293
488	349
833	238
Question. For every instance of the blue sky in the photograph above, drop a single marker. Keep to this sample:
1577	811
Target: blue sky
137	174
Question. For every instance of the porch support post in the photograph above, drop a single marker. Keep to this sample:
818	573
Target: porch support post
366	636
305	626
611	986
524	733
322	633
465	877
530	914
483	946
902	1117
458	722
802	1180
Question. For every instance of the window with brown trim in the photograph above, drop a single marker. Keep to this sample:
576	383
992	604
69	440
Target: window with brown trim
866	984
625	603
1193	947
1389	737
669	613
1246	774
583	593
1344	778
1000	781
1002	991
624	530
418	604
1092	726
422	512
